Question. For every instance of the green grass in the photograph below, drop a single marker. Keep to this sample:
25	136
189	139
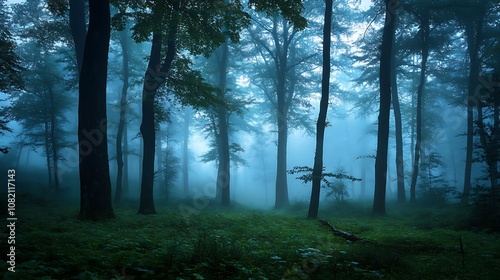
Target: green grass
411	242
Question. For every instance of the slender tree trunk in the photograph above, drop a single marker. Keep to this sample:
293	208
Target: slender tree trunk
53	141
424	29
160	174
323	108
399	133
223	172
77	26
185	151
47	152
95	183
282	114
473	31
384	110
123	112
125	187
148	129
155	76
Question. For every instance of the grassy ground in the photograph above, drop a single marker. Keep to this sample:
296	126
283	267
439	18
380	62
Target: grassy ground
412	242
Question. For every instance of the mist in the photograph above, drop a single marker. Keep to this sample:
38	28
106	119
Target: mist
250	139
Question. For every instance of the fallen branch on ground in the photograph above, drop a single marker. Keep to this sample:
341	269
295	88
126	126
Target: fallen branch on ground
343	234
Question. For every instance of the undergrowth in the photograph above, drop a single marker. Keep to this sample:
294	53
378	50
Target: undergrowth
411	242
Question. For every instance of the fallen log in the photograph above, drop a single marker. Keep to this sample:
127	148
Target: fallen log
343	234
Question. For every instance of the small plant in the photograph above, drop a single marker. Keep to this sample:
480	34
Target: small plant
433	186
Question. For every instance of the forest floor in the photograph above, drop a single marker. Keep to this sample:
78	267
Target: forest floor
411	242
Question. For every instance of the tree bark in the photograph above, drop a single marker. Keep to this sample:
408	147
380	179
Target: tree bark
323	108
121	122
384	110
95	183
424	29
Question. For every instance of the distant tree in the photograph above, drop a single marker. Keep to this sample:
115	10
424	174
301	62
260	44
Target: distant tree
277	54
323	108
174	30
10	69
473	17
433	187
41	107
171	168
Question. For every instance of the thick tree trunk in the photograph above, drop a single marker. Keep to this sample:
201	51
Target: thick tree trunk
323	108
424	29
95	183
384	110
401	196
121	122
77	26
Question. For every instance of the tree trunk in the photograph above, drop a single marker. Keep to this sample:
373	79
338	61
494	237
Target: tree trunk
121	122
185	151
148	129
53	141
473	31
125	187
384	110
323	108
95	183
399	133
160	175
155	76
77	26
223	172
46	133
424	29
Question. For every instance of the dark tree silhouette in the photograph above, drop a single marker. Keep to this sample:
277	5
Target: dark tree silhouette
323	108
95	184
384	109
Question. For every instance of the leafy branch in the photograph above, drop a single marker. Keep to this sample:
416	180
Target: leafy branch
308	176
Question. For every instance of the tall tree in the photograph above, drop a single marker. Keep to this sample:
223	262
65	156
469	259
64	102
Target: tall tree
95	183
123	109
472	20
385	108
174	30
323	108
424	29
276	41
